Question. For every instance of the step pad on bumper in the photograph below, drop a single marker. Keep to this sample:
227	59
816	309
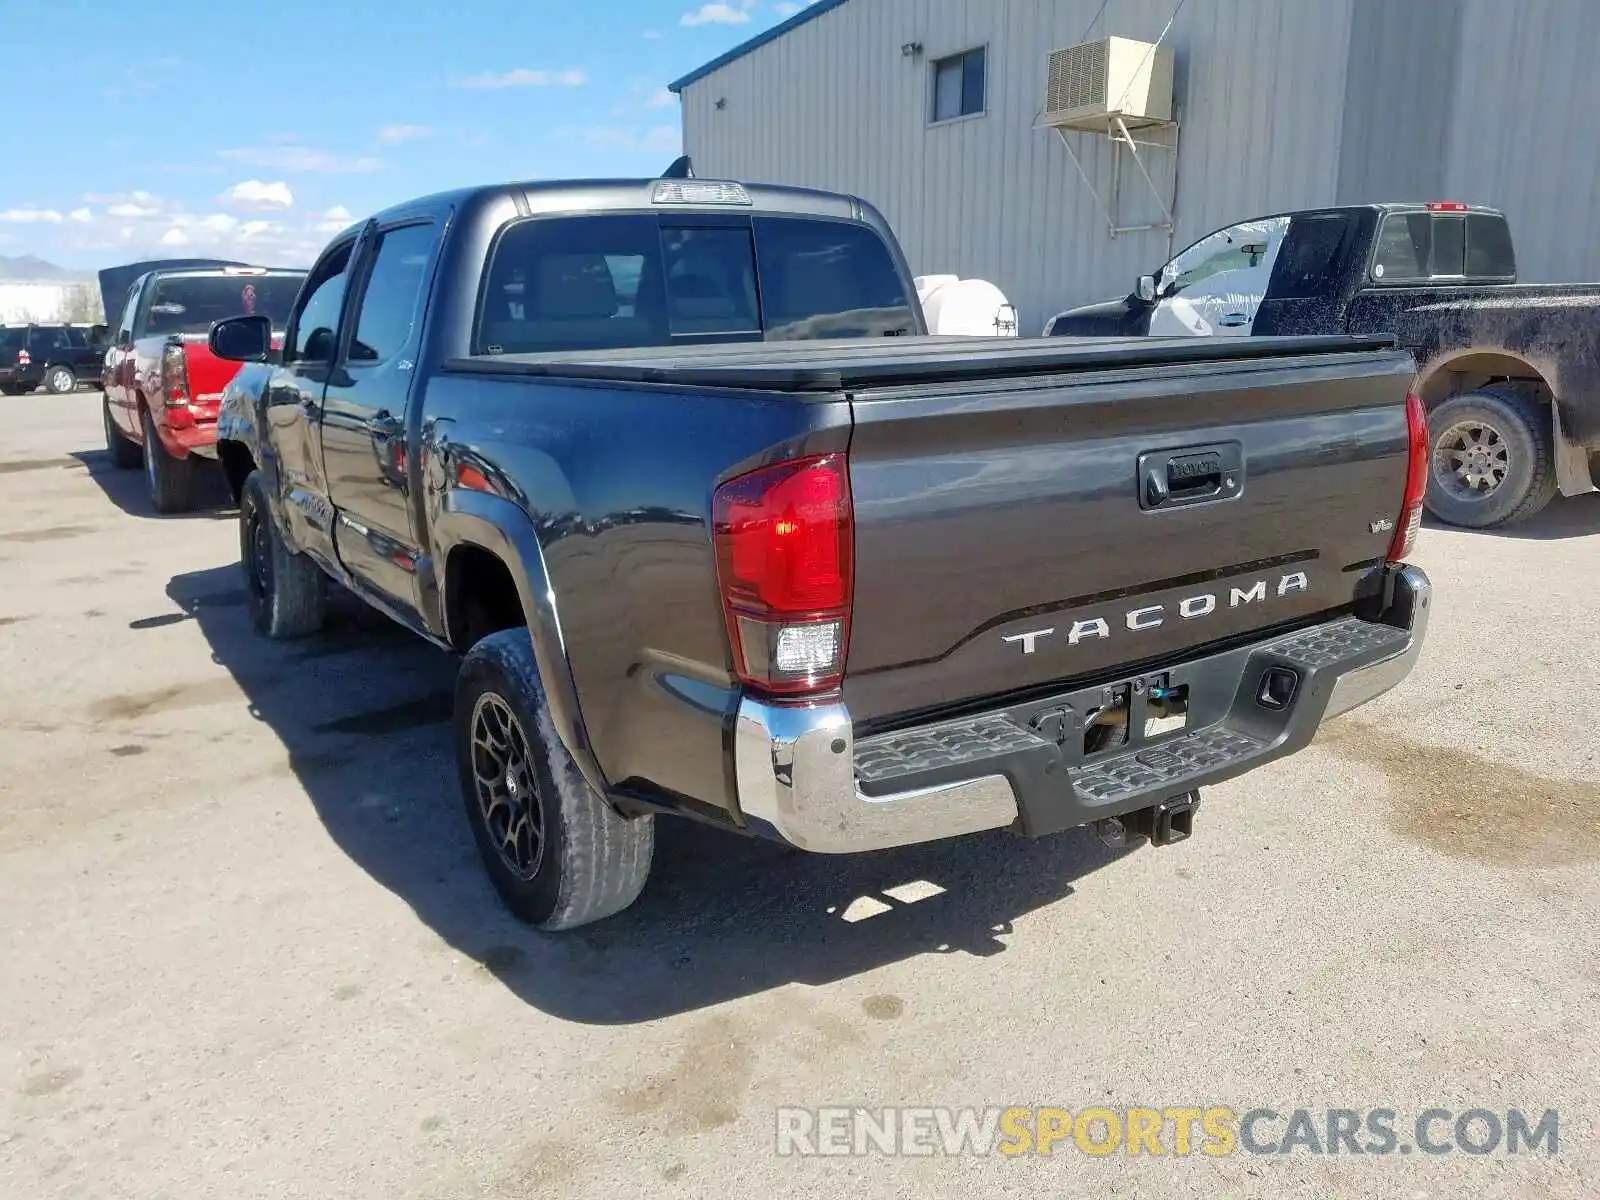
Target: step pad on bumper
1338	641
1135	773
893	755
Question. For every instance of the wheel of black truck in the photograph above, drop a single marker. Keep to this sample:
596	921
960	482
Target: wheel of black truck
59	380
1491	458
124	452
171	480
286	592
558	854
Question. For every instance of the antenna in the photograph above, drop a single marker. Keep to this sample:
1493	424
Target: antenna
681	168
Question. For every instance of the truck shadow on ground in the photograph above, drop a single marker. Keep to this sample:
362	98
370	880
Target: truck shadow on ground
363	711
1565	517
129	492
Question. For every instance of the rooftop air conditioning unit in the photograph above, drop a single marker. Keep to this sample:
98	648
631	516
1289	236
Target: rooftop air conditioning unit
1090	86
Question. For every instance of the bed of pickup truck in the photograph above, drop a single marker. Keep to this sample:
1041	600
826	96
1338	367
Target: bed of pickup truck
848	592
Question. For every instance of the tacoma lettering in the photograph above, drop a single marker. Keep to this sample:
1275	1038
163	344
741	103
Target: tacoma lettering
1154	616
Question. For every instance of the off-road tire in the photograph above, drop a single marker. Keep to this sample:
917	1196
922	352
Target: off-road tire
124	450
1523	423
170	480
285	591
593	862
59	380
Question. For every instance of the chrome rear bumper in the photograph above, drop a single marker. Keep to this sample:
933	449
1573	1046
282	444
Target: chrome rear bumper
795	766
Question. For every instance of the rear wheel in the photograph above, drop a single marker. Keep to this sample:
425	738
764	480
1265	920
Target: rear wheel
59	380
124	451
286	592
559	855
15	389
1492	459
171	480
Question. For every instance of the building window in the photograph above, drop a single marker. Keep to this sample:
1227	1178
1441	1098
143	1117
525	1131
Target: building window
958	85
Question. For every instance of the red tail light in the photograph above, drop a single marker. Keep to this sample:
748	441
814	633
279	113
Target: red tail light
1405	530
785	541
175	376
24	358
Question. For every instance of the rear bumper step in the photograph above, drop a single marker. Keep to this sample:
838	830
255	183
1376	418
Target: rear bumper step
1042	767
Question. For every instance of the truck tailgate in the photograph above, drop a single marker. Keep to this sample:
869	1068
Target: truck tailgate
1031	531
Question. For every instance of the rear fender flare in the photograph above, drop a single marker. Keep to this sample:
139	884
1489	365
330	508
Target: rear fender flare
499	526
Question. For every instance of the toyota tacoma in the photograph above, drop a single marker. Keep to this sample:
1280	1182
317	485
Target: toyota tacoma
848	593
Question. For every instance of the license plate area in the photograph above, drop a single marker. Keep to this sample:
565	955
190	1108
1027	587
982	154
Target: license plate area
1139	714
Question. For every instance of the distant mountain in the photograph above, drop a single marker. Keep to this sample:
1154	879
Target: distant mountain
32	268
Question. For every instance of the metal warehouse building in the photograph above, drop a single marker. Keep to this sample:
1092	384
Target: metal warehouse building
1042	144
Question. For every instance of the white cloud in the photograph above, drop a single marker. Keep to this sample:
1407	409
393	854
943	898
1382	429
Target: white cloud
526	77
661	98
257	193
788	9
301	159
174	237
404	133
717	14
336	218
32	216
81	215
133	204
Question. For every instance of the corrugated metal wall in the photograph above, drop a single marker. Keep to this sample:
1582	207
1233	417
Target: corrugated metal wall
834	104
1283	103
1524	134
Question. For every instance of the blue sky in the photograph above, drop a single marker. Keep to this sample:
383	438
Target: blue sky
255	130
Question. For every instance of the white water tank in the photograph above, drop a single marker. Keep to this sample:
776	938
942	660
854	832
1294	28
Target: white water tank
965	307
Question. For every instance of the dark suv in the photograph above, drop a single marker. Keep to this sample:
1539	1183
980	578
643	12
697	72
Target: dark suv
59	357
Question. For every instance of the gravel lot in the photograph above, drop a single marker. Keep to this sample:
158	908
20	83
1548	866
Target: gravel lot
246	948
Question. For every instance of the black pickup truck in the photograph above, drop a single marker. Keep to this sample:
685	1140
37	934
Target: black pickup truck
1509	372
850	593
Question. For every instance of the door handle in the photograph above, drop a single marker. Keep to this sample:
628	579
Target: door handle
1190	475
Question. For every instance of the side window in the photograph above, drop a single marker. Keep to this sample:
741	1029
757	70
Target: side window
77	338
958	85
1308	264
46	338
129	311
315	334
1239	247
389	301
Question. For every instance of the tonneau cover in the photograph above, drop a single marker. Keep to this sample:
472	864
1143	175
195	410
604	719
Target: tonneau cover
847	364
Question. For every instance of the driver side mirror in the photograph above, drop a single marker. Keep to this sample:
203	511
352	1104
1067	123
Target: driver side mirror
1146	288
242	339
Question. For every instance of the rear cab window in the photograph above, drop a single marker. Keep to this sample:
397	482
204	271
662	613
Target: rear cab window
190	304
627	280
1424	247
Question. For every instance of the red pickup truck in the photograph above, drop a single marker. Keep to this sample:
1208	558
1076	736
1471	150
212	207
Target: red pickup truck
162	383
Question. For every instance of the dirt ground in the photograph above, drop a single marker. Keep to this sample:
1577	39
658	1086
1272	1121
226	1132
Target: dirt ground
246	948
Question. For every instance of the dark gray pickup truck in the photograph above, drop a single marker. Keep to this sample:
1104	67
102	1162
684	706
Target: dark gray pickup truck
850	593
1509	372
